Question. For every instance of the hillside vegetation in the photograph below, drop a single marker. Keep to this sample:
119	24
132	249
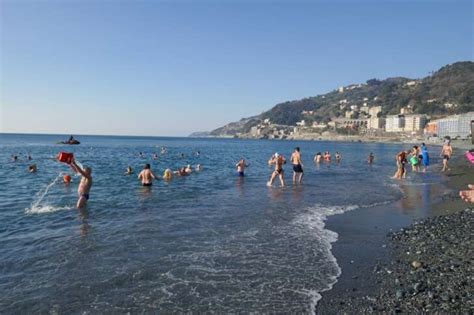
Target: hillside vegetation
450	90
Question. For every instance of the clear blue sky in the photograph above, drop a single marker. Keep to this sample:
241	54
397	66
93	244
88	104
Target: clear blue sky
170	68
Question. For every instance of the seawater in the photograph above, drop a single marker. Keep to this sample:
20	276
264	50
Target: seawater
210	242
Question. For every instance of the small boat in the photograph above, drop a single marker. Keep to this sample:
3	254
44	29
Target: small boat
71	141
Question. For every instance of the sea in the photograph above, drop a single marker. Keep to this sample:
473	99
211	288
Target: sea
209	242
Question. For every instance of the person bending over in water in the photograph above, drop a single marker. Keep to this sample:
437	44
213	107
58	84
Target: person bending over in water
446	153
129	171
278	161
84	185
147	176
241	165
401	159
370	159
467	195
297	165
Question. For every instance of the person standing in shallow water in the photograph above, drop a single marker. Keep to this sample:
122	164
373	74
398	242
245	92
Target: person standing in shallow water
446	153
84	185
401	159
297	166
241	165
425	157
146	176
278	161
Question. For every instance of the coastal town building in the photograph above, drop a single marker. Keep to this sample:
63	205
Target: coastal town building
348	122
301	123
406	110
415	122
364	108
395	123
375	110
376	123
456	126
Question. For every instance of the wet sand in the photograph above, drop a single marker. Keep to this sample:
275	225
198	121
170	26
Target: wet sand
371	250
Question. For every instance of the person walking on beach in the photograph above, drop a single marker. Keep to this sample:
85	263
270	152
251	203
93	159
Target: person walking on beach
467	195
278	161
241	165
401	159
446	153
297	165
84	185
425	157
147	176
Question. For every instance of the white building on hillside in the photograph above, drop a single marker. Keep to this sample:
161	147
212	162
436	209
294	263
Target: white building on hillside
376	123
395	123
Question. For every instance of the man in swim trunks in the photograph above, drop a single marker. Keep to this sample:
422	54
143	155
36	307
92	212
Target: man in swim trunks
446	153
278	161
241	165
147	176
297	165
84	185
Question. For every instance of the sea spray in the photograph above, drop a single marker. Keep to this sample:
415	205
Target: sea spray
37	207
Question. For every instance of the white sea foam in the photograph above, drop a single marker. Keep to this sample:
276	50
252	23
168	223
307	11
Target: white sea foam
37	205
45	209
313	219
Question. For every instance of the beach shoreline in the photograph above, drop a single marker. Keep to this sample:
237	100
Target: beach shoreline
370	253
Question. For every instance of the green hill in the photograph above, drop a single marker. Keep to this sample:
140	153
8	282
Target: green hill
450	90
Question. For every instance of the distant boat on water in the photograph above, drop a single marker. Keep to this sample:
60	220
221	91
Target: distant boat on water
71	141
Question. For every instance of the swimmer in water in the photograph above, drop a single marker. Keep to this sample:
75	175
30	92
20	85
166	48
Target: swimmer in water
199	167
318	157
297	166
338	157
370	158
84	185
32	168
188	169
147	176
29	157
155	156
14	158
278	161
327	156
181	172
241	165
129	171
168	174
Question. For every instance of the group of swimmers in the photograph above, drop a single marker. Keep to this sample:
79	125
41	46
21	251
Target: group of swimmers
146	176
326	157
